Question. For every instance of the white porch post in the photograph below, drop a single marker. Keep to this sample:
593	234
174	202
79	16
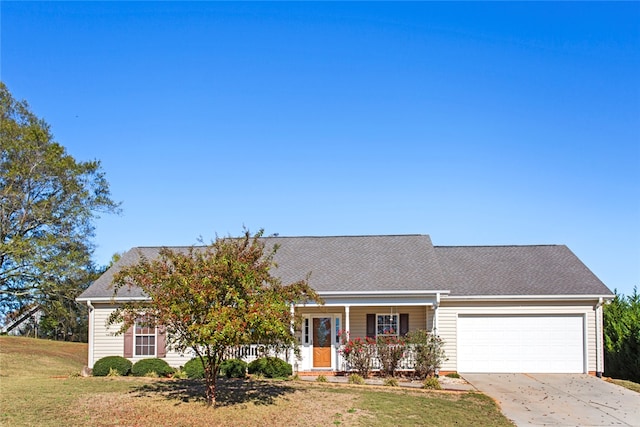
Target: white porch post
435	314
347	324
291	354
293	313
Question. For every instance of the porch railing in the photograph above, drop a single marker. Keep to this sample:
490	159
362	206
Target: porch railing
407	361
249	353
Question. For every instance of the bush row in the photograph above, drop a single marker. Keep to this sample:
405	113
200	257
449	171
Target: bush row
231	368
121	366
269	367
426	352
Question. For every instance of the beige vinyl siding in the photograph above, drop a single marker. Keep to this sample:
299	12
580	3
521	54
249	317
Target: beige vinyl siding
449	311
591	341
105	343
358	321
108	343
447	320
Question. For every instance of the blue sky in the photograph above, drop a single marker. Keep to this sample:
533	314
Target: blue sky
475	123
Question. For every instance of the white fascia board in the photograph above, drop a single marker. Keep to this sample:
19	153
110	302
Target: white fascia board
112	299
376	298
525	297
368	303
360	294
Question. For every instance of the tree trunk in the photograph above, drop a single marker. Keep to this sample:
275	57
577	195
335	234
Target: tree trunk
210	376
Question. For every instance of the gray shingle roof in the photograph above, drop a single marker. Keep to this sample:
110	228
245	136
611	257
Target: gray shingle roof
517	270
408	263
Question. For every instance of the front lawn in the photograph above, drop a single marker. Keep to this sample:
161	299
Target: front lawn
40	386
626	384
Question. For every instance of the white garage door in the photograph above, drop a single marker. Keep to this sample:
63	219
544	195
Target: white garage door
535	344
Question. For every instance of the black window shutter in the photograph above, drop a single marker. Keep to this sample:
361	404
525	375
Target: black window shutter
371	325
404	324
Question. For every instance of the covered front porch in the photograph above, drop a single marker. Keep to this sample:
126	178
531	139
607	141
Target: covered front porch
324	328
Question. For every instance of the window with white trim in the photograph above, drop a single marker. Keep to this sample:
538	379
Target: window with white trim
144	338
387	325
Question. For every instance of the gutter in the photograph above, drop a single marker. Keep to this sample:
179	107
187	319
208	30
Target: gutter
579	297
599	344
90	329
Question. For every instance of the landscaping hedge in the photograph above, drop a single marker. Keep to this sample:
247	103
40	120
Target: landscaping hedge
194	369
233	368
146	366
270	367
102	366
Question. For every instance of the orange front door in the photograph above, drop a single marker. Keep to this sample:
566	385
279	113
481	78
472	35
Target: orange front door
321	342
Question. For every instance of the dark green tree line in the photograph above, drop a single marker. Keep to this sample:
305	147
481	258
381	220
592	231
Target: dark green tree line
622	337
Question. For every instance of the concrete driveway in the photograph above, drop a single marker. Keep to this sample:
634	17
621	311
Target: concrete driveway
560	399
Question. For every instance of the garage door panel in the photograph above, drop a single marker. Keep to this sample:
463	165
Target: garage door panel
515	343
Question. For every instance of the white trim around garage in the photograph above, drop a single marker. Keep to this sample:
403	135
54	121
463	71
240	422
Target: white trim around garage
516	343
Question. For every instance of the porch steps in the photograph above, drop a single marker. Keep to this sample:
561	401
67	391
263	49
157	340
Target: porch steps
320	372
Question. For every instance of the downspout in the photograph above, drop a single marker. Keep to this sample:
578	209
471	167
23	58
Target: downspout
435	323
599	346
90	333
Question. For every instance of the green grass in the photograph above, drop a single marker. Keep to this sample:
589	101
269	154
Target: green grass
431	409
627	384
40	386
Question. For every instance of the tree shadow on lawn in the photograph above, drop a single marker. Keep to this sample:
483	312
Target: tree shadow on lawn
228	391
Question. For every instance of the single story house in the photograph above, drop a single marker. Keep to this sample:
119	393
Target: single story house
534	308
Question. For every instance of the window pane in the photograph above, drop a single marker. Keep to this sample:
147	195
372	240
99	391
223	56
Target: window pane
387	324
145	338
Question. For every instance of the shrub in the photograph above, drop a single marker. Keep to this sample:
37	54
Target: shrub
321	379
356	379
453	375
621	320
431	383
390	351
120	364
358	353
270	367
194	369
179	374
143	367
391	382
234	368
428	352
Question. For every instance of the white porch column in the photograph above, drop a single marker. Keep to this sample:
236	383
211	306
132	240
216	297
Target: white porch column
435	314
293	314
291	354
347	323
